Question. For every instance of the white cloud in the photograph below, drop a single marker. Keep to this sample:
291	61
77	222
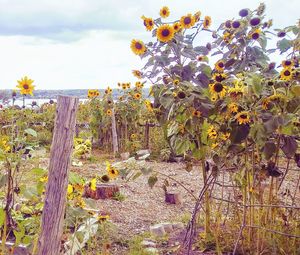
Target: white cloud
85	43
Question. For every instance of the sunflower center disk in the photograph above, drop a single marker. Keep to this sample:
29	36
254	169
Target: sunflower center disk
25	86
138	46
187	20
218	87
165	32
287	73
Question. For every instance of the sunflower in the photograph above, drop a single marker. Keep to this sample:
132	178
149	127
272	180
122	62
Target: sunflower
286	74
164	12
212	132
181	95
176	81
177	26
128	84
227	37
219	66
103	217
139	85
207	22
218	88
93	184
225	136
265	105
219	77
233	108
25	85
133	136
255	34
138	47
242	117
165	33
197	16
138	74
92	93
148	23
235	92
137	96
124	86
174	94
108	90
112	172
187	21
287	63
109	112
197	113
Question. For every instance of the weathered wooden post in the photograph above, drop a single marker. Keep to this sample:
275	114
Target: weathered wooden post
114	132
55	200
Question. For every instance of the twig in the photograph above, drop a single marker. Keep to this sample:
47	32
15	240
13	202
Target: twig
273	231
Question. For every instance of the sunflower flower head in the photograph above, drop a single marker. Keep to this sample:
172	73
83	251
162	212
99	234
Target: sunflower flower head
286	74
197	16
138	47
137	96
165	33
207	22
164	12
177	26
187	21
212	132
218	88
242	117
26	86
109	112
148	23
220	65
233	108
138	74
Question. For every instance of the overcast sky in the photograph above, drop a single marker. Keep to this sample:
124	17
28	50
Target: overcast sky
80	44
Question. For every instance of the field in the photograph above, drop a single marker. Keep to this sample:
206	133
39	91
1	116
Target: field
206	161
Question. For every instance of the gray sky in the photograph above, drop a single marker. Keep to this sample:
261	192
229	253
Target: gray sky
65	44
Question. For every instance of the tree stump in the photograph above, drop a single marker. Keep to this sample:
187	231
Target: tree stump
103	191
172	198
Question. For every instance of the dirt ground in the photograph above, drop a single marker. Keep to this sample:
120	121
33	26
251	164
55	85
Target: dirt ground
144	206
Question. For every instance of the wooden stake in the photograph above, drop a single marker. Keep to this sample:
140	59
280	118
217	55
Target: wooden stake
55	200
114	132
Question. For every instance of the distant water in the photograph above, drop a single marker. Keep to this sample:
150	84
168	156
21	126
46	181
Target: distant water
40	101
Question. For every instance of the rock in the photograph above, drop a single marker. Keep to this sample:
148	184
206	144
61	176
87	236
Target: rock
142	152
152	250
178	226
179	159
125	155
158	230
148	243
144	157
168	227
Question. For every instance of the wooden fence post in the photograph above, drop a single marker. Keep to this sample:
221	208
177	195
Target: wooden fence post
114	132
55	200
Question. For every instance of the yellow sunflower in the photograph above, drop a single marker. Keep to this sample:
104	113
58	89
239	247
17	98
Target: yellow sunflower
104	217
207	22
139	85
108	90
225	136
212	132
236	92
187	21
109	112
133	136
197	16
255	34
219	77
197	113
137	96
148	23
176	81
25	85
92	93
177	26
93	184
243	117
164	12
112	172
218	88
286	74
219	66
165	33
287	63
138	74
233	108
138	47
